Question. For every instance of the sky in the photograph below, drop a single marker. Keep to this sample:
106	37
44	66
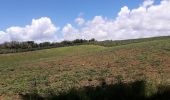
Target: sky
57	20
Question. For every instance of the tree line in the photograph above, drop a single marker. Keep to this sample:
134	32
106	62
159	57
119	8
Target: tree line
15	46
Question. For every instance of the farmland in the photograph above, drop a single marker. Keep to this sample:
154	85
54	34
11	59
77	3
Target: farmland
57	71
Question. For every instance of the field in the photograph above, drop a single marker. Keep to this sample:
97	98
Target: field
42	74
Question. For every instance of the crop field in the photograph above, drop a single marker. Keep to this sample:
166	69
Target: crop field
57	71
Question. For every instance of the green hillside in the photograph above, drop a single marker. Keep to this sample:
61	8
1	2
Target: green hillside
58	70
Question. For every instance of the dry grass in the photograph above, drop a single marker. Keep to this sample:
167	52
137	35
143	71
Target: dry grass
64	68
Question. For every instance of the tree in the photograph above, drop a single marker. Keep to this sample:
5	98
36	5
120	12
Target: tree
92	40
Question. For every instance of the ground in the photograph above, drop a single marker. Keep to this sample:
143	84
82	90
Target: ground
60	69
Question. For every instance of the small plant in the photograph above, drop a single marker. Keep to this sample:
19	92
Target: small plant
102	82
141	57
155	63
119	79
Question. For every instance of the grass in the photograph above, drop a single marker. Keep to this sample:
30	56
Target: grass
61	69
119	91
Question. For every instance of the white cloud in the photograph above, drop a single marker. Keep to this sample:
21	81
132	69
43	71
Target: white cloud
40	30
148	3
124	12
70	33
147	20
80	21
4	37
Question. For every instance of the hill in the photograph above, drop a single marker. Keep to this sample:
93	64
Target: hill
55	72
25	46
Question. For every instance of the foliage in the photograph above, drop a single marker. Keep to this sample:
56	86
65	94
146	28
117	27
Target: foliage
55	71
15	46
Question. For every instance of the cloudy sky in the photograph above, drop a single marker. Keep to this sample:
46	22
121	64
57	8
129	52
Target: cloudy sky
57	20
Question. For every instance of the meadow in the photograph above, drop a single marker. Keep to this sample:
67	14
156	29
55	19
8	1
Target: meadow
88	72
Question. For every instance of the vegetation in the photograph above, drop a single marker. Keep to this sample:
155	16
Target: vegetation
14	46
118	91
127	70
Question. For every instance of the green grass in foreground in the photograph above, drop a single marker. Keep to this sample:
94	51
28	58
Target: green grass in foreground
62	69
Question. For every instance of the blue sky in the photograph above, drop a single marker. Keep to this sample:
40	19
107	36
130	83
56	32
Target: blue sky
21	12
58	20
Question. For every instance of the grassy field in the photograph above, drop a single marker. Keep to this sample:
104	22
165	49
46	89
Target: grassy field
58	70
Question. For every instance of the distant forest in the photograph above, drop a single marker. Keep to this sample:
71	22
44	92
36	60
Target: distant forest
15	46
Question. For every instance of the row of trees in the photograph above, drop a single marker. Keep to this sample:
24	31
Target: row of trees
14	46
31	45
